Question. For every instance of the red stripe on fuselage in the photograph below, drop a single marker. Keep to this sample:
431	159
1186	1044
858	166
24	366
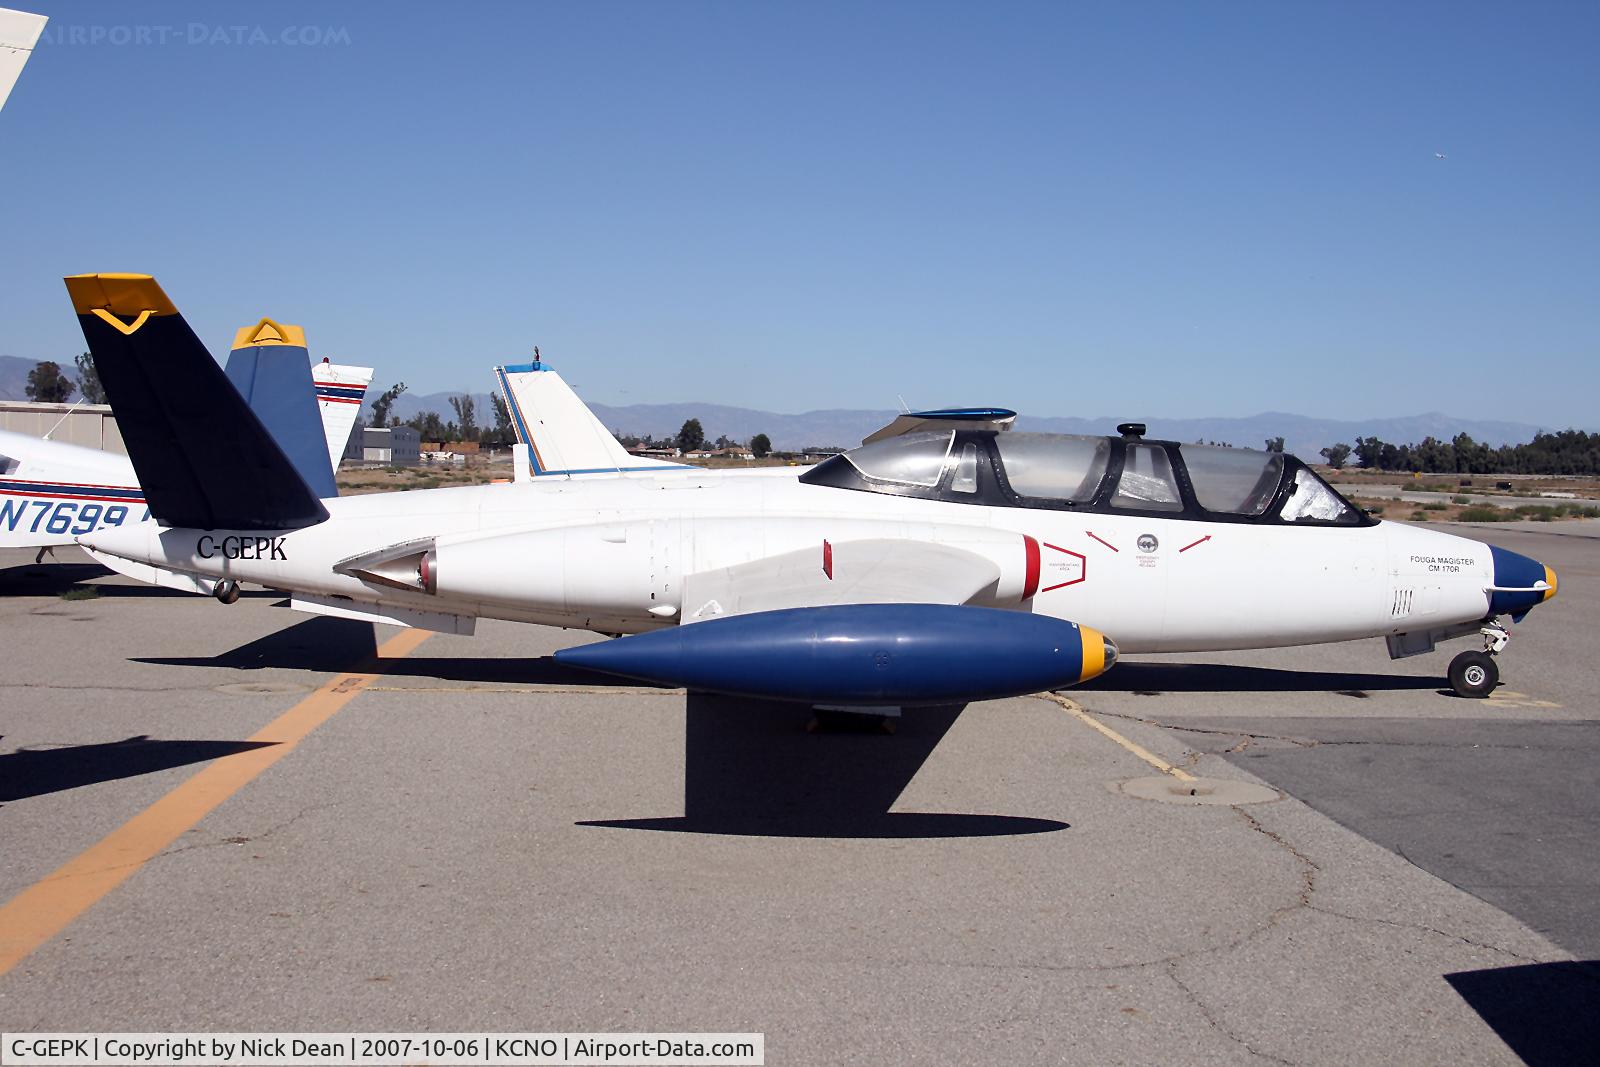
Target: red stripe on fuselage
1030	583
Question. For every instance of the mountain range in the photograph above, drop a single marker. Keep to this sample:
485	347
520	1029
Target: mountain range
1304	435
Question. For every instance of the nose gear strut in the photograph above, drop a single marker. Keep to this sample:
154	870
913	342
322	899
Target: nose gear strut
1475	674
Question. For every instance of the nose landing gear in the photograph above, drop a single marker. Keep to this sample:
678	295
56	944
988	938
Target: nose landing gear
1475	674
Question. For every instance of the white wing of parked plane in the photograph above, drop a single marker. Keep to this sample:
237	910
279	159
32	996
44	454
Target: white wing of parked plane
19	33
868	571
562	434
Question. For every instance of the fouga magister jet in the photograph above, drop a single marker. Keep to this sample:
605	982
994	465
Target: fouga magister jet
952	562
52	492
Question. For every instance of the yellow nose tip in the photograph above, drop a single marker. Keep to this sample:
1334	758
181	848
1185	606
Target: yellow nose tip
1099	653
1550	580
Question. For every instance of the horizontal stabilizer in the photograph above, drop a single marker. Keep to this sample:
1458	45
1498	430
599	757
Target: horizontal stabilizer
869	571
945	419
204	459
562	434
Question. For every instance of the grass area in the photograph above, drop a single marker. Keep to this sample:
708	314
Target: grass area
354	481
1463	512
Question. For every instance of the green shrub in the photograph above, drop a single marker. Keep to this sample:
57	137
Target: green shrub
1460	500
82	592
1419	516
1485	514
1435	506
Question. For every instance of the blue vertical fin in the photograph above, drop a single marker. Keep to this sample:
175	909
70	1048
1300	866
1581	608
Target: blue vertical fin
271	369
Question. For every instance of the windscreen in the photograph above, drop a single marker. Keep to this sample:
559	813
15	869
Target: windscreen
1313	500
912	459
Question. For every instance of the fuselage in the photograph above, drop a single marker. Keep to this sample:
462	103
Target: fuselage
612	553
52	493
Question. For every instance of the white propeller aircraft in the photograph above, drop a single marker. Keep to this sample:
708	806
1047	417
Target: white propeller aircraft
52	493
950	563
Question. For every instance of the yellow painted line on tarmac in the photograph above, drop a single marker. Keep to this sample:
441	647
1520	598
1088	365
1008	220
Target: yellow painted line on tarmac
602	690
1132	746
1511	699
47	907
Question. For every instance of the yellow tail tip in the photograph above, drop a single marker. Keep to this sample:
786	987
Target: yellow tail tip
269	332
1550	580
122	295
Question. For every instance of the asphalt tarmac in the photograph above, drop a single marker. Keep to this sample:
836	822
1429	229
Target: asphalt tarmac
233	818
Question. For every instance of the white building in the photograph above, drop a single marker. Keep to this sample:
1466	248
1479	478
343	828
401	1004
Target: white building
391	446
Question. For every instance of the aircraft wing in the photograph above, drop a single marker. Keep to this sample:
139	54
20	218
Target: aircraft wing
19	34
945	419
868	571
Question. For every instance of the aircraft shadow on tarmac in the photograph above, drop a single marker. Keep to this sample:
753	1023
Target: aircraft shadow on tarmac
1129	677
1545	1012
35	772
328	644
752	768
53	579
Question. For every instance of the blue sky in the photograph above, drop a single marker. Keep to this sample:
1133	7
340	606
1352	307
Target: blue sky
1071	209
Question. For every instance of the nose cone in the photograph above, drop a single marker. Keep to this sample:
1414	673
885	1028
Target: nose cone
1099	653
1519	583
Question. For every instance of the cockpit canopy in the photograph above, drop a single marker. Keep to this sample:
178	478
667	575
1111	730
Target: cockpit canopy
1102	474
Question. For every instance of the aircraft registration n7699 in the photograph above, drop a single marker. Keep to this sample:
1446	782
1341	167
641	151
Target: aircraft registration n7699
947	559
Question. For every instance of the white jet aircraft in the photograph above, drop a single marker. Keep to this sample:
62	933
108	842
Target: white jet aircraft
950	563
52	493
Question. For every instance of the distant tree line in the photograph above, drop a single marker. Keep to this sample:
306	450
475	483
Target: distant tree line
1567	452
691	437
464	427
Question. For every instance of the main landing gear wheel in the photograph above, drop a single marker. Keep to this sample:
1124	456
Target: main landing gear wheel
1474	674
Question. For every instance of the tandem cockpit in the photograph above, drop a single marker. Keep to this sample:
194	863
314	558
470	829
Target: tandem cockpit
1112	475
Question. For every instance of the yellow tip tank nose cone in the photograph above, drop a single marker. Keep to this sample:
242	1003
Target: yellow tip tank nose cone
1550	580
1099	653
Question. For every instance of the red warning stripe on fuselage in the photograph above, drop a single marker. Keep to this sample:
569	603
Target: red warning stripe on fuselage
1030	583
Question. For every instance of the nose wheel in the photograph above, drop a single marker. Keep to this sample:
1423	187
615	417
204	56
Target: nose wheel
1474	675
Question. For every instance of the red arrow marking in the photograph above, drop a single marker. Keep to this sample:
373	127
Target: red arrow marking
1202	541
1103	541
827	560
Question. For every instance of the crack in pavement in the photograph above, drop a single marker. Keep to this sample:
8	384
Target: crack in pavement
1216	1024
1301	742
243	839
